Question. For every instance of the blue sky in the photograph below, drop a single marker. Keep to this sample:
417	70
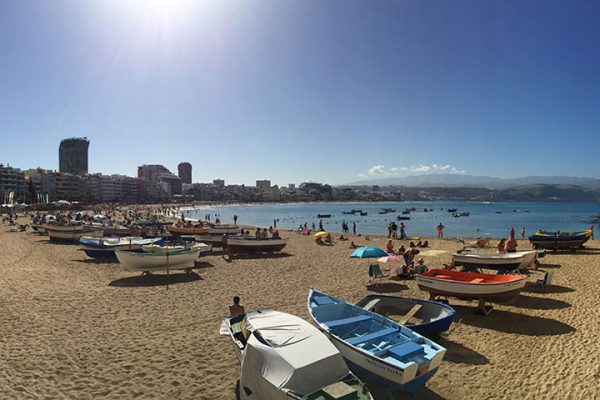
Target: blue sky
304	90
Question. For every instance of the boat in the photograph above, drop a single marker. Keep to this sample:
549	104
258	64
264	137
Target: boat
214	240
363	213
250	244
181	230
403	218
115	231
452	210
105	247
426	317
382	212
223	229
427	209
323	215
154	248
405	212
462	214
69	233
376	348
410	209
389	209
284	357
471	260
471	285
139	260
559	240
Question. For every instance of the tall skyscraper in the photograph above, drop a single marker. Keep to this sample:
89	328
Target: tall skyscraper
73	156
184	170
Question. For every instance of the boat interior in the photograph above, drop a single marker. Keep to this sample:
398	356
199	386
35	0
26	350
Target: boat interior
372	333
405	312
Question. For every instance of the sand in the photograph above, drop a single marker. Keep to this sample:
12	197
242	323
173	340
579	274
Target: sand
74	328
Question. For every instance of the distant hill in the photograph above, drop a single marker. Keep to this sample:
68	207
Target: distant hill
456	180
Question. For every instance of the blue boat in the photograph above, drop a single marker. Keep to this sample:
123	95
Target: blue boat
426	317
559	240
105	247
376	348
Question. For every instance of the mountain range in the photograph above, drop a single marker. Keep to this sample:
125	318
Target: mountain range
488	182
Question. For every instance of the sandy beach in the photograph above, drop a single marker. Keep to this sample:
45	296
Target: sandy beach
75	328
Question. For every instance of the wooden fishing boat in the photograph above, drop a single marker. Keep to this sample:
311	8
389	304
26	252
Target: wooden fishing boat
70	233
283	357
136	260
471	285
223	229
363	213
559	240
452	210
376	348
105	247
427	317
180	230
216	241
403	218
248	244
323	215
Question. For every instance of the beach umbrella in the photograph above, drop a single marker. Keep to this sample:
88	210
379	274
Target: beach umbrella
390	259
320	234
368	252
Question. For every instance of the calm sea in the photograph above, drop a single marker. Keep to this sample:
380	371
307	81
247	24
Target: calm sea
492	219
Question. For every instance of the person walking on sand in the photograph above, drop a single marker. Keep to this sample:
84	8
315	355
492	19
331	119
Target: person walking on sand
440	231
354	228
523	233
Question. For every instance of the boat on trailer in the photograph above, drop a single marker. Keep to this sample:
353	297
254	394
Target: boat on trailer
165	260
560	240
283	357
376	348
250	244
426	317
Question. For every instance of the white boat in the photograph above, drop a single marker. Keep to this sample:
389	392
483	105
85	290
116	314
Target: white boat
249	244
103	247
498	261
283	357
158	261
154	248
71	234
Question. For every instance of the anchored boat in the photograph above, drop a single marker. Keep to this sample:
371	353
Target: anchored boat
559	240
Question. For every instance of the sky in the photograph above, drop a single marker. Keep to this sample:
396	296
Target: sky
329	91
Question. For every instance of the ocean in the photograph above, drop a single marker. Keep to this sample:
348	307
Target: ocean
486	219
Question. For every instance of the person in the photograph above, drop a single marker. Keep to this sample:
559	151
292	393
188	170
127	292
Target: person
523	233
390	246
426	244
389	230
401	250
354	228
394	230
235	217
236	308
440	231
321	225
409	256
265	234
353	245
217	220
402	232
257	233
511	245
328	238
502	246
274	223
342	237
420	268
592	229
276	234
419	244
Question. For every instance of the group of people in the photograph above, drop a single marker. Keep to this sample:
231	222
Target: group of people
264	233
509	246
393	231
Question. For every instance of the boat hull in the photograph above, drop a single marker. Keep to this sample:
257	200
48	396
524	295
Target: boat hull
506	262
70	236
140	261
555	241
255	245
493	292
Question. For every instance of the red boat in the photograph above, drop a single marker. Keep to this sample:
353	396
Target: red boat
471	285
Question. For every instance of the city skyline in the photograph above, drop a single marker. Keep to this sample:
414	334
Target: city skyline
303	91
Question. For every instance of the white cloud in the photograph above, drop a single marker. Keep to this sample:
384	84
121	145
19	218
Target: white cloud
381	170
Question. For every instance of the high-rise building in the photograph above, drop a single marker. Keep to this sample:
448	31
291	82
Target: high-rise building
184	170
263	185
219	183
73	156
152	172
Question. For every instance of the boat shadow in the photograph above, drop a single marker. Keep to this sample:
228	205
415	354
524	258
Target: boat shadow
542	266
533	288
381	393
98	261
510	322
155	280
386	287
460	354
538	303
254	256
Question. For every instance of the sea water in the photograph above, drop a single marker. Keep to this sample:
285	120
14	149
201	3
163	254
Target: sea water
487	219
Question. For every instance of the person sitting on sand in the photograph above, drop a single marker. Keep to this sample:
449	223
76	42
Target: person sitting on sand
420	267
425	244
419	244
401	250
342	237
328	239
502	246
236	308
390	247
353	245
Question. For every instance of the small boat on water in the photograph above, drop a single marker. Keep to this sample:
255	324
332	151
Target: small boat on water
139	260
559	240
471	285
403	218
363	213
387	210
426	317
375	347
323	215
462	214
427	209
105	247
70	233
406	212
452	210
250	244
284	357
